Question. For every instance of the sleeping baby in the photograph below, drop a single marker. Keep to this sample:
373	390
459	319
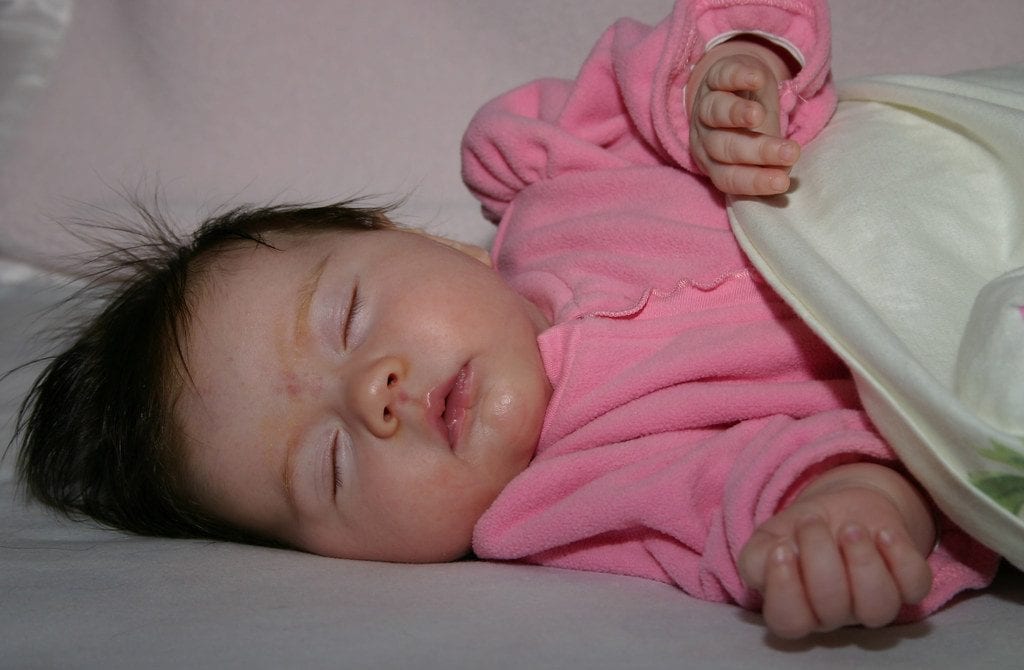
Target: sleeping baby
614	388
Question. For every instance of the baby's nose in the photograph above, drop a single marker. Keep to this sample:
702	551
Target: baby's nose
374	393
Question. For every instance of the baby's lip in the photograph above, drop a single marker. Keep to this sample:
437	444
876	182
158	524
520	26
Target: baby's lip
447	405
457	406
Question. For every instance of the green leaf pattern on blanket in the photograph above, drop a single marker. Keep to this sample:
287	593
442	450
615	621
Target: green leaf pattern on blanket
1005	488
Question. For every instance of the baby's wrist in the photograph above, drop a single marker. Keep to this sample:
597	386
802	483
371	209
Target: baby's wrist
772	56
905	497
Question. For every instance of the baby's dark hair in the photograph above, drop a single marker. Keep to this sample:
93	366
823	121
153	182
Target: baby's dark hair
97	434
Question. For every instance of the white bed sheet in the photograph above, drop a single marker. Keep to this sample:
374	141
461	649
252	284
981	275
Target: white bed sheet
902	246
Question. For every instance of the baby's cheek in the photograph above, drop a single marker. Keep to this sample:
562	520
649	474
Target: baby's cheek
445	483
512	420
463	493
297	388
502	408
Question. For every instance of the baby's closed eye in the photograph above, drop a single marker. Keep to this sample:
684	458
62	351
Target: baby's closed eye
354	305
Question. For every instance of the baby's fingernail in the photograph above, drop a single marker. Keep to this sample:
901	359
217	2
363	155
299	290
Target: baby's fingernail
784	553
885	537
749	112
787	152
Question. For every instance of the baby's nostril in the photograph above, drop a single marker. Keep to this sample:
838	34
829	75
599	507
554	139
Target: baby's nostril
392	378
387	414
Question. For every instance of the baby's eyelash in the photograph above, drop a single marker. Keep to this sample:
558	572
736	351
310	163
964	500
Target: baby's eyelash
355	303
335	446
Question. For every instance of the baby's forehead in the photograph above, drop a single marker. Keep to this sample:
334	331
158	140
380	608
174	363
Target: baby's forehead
273	253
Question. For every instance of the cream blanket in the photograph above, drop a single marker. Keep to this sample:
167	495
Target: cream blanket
902	245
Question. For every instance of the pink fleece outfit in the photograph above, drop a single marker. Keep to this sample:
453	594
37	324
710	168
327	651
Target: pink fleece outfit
690	403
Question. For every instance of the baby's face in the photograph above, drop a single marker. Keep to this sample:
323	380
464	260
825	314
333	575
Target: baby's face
359	394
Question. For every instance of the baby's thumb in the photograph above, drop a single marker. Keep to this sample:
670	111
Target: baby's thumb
753	559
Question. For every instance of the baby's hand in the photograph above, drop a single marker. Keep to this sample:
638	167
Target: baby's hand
842	555
734	120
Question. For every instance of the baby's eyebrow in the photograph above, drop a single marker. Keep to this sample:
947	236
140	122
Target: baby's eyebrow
304	299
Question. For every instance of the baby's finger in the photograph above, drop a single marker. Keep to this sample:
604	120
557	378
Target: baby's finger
824	574
909	568
721	109
748	180
753	559
734	74
876	598
786	610
741	148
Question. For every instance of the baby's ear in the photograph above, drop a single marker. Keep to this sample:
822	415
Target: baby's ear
471	250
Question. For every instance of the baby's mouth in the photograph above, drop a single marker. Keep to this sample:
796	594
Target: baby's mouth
456	403
448	405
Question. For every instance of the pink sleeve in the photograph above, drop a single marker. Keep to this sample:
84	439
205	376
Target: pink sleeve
676	498
626	106
958	563
683	517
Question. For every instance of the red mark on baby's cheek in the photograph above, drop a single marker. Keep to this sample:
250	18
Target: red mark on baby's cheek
291	385
295	387
292	389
